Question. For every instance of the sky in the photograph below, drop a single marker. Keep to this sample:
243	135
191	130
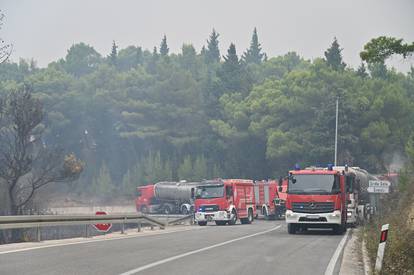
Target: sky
45	29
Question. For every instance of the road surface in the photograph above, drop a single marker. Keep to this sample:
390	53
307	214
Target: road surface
263	247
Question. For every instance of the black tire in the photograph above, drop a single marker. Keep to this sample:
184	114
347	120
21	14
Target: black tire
265	214
249	218
221	222
202	223
234	219
184	210
166	209
339	229
291	228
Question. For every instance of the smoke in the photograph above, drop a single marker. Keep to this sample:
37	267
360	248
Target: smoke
394	162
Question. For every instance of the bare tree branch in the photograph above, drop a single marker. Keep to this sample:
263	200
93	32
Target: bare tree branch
5	49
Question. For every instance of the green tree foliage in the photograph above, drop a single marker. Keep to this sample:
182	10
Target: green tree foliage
233	76
254	53
102	183
362	71
129	58
164	47
212	53
379	49
81	59
333	56
154	169
197	116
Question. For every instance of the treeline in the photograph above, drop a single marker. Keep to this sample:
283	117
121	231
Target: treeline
137	116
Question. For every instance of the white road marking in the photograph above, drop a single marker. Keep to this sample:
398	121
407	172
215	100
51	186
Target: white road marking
331	266
97	240
173	258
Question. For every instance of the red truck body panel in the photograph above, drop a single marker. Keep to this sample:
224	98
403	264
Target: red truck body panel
144	197
265	194
242	199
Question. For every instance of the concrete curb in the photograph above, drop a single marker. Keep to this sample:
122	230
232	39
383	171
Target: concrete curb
352	259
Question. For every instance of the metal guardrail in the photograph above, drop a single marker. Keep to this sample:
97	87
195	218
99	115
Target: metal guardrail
38	221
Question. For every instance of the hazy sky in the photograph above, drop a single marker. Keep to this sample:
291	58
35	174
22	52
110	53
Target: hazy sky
45	29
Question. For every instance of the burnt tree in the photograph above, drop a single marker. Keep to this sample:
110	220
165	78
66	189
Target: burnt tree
26	164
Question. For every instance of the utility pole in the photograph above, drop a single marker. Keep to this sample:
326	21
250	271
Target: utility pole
336	131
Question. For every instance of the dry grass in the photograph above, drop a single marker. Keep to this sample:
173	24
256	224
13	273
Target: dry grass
399	250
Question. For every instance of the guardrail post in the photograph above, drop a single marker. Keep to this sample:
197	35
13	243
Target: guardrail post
123	226
38	234
87	231
139	226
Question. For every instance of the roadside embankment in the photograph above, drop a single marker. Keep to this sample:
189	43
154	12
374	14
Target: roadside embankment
397	211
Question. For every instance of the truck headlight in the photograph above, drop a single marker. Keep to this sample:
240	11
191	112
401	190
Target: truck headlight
289	213
336	214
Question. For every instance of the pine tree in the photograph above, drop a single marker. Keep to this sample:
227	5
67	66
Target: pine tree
333	56
362	71
213	52
231	61
185	170
102	185
233	75
254	54
164	47
114	54
200	168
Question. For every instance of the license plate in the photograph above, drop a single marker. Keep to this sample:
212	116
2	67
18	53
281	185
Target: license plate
312	217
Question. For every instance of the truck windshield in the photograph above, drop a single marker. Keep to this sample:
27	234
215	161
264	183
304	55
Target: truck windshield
313	184
208	192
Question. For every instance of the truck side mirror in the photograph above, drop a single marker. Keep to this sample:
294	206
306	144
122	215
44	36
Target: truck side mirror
192	193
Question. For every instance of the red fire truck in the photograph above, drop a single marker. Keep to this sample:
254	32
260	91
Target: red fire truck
316	197
268	202
225	201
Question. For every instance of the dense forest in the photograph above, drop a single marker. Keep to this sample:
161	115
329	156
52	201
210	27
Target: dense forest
135	116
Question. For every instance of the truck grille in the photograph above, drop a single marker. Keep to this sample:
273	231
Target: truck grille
312	207
209	208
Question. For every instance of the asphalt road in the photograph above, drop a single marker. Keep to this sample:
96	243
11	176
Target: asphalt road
263	247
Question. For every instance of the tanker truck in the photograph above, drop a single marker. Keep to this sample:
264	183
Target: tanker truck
359	202
166	198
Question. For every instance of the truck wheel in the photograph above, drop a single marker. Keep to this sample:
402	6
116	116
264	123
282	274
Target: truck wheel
339	229
265	214
184	210
202	223
221	222
144	210
167	210
291	228
233	220
249	218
